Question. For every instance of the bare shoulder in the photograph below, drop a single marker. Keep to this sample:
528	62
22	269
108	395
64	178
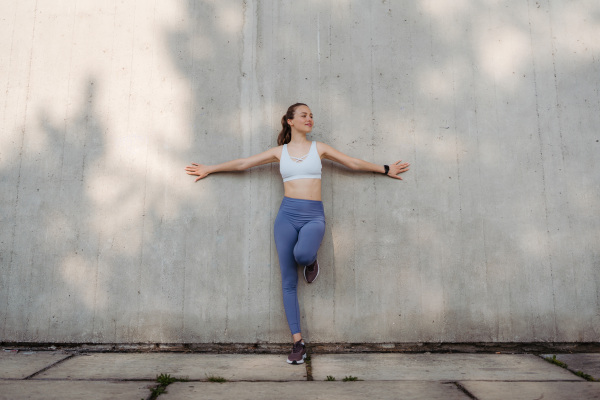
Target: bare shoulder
328	152
324	149
276	151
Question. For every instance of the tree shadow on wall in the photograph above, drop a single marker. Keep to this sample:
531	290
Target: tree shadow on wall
455	87
106	248
56	252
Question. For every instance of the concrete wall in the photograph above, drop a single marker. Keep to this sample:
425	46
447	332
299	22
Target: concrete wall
492	236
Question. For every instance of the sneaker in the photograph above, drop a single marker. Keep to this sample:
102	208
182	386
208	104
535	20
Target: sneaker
311	272
298	353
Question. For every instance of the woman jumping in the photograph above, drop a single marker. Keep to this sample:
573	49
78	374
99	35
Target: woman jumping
300	223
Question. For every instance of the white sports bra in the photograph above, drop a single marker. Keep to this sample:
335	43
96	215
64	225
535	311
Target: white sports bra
306	167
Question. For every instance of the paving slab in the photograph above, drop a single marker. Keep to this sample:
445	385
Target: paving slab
23	364
69	390
588	363
233	367
314	390
438	367
533	390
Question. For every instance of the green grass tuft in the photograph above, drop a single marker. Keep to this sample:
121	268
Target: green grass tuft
163	381
350	379
585	376
554	361
561	364
330	378
218	379
157	391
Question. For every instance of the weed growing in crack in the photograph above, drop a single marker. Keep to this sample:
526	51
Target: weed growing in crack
585	376
163	381
157	391
218	379
554	361
308	366
580	374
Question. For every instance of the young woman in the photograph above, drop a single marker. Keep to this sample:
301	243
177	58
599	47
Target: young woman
300	223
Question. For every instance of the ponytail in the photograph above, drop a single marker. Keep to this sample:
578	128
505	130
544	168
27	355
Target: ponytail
285	136
286	132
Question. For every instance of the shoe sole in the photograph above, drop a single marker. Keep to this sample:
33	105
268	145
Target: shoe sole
297	362
319	270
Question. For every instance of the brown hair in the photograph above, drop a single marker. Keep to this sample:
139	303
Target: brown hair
286	132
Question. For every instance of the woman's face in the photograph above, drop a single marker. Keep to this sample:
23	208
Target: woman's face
303	119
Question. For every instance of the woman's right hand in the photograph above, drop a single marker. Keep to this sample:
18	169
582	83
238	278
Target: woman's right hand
197	169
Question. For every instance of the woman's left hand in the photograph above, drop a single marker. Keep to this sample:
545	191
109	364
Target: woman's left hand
396	169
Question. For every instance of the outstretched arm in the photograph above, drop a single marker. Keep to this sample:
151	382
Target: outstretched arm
357	164
202	171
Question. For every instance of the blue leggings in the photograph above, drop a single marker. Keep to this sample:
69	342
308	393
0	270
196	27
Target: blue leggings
299	230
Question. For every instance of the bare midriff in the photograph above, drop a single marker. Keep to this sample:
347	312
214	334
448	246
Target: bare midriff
306	189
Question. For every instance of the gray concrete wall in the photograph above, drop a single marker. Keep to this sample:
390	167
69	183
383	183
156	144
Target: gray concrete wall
492	236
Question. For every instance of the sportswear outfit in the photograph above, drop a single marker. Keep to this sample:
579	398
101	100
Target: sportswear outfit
299	229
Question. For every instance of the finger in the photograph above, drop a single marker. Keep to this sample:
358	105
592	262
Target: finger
398	162
195	164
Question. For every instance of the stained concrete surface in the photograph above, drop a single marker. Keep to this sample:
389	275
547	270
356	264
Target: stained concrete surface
63	390
105	375
315	390
437	367
588	363
232	367
533	390
20	365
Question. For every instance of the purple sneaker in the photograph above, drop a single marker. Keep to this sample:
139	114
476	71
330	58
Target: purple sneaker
311	272
298	353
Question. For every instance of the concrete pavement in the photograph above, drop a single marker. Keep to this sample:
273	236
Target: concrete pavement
77	375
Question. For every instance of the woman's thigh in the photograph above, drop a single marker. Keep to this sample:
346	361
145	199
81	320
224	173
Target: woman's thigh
309	241
286	237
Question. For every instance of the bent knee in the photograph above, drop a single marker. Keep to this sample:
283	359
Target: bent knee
305	258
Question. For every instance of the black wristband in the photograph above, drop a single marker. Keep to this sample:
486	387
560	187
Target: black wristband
387	169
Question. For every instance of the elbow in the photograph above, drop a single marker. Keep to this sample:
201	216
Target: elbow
242	165
355	165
